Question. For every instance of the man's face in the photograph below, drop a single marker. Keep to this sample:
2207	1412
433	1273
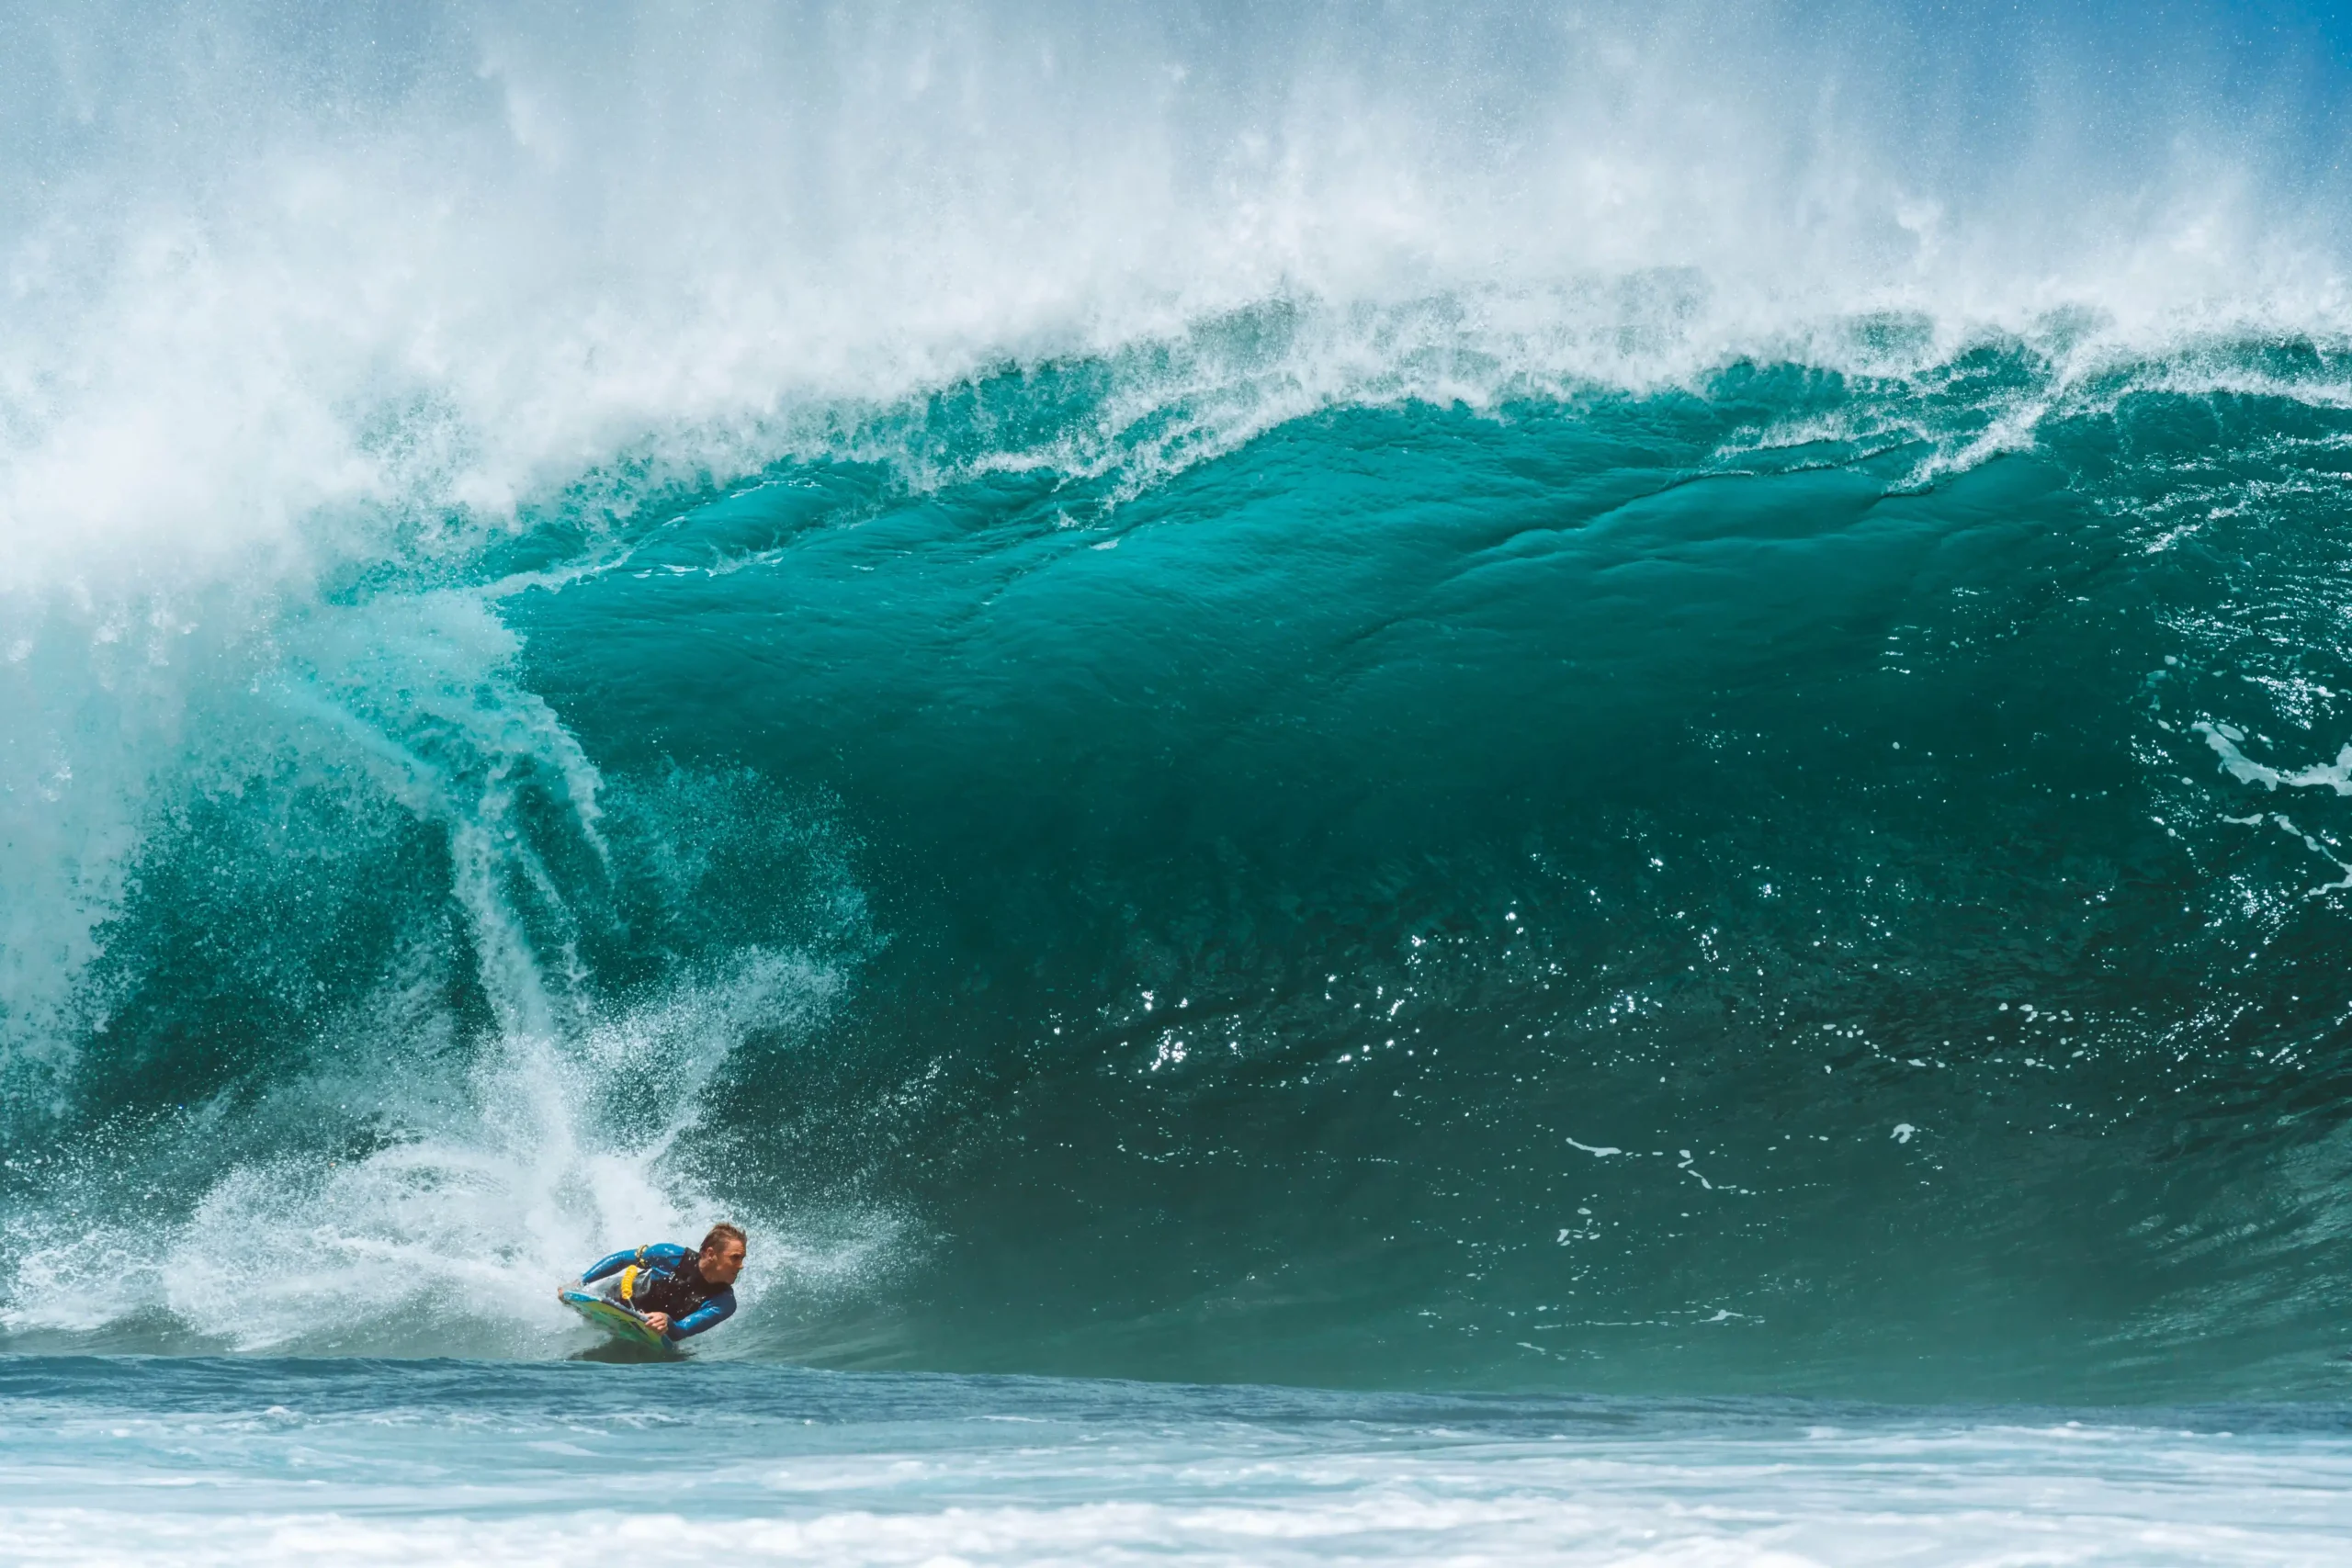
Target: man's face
722	1260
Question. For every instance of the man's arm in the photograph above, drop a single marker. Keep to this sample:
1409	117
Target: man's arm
710	1314
613	1265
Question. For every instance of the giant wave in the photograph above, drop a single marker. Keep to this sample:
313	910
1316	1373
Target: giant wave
1520	700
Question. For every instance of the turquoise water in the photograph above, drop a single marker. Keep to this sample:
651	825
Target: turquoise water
1627	893
1573	713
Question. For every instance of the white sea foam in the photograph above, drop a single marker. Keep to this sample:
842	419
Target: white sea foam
2335	776
449	1235
884	1475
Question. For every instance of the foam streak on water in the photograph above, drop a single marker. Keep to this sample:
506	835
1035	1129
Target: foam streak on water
360	1462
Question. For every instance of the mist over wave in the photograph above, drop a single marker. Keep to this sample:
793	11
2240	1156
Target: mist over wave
1499	696
277	270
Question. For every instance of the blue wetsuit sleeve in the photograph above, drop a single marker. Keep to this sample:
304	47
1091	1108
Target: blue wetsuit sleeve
710	1314
612	1264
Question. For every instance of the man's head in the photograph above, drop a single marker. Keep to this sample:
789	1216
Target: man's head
722	1254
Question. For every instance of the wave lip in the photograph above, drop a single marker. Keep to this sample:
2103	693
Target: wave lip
277	294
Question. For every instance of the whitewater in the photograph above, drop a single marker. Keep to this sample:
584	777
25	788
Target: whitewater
1551	783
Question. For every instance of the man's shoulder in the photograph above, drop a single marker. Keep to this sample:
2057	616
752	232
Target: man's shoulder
665	1252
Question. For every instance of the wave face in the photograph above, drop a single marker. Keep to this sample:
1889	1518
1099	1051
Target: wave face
1492	701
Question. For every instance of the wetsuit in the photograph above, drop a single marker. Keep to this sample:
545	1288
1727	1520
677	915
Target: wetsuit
663	1277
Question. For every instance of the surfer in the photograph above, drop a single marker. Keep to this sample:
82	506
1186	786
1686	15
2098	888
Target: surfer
679	1292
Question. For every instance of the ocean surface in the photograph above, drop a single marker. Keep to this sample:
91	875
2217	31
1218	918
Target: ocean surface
1463	782
263	1460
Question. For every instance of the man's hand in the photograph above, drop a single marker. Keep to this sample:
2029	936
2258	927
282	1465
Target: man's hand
658	1321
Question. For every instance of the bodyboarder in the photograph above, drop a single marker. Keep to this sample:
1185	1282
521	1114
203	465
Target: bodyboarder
680	1293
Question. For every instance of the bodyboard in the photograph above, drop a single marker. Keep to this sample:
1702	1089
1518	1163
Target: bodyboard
614	1319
